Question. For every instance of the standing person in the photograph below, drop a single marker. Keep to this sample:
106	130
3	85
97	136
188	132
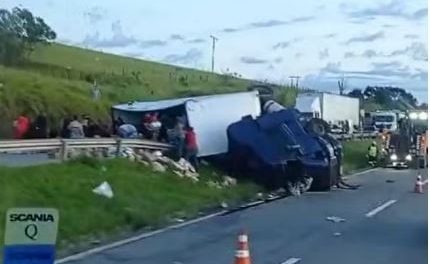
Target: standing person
40	127
179	137
65	128
21	126
372	153
76	129
191	148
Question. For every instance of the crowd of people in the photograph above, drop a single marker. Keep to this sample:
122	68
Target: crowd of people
169	129
25	127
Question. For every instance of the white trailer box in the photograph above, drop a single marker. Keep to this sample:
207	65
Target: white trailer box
329	107
208	115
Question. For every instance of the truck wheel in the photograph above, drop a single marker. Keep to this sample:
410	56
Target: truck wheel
317	126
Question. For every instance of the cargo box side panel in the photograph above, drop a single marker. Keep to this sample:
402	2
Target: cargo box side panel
339	108
210	118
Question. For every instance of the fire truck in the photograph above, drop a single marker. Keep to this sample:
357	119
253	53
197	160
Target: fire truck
407	147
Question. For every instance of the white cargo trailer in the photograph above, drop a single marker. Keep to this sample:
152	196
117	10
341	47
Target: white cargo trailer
331	108
208	115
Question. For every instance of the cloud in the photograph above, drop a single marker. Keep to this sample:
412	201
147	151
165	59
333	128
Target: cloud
281	45
191	56
177	37
118	39
394	8
298	55
152	43
331	35
265	24
349	54
389	26
383	71
197	40
268	24
367	38
324	54
421	13
230	30
411	36
252	60
369	53
95	14
278	60
417	51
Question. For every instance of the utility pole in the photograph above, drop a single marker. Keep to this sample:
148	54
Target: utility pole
214	40
296	78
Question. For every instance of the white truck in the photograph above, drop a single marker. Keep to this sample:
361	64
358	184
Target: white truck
332	108
385	120
208	115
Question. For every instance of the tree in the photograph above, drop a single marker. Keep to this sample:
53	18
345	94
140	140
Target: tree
20	31
356	93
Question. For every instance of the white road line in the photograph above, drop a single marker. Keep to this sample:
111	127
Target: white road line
96	250
380	208
291	261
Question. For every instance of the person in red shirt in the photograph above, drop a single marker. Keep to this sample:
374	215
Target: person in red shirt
191	148
21	126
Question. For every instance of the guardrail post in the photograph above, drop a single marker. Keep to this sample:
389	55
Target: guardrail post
64	150
118	147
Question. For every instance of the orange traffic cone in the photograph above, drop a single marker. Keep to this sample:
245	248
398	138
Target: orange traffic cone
418	185
242	252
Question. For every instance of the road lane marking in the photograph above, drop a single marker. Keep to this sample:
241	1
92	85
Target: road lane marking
380	208
291	261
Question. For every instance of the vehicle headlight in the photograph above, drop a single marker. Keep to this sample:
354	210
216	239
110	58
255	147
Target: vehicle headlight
422	116
408	157
393	157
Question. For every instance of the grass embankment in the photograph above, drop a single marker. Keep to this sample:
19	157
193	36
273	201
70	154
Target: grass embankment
57	80
142	198
355	155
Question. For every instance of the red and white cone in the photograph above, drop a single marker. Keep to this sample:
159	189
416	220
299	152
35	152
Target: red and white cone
419	185
242	252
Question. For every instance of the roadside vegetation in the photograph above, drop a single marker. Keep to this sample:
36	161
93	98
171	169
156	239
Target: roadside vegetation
142	198
355	155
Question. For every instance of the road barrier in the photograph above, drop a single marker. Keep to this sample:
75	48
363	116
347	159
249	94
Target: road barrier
355	136
64	145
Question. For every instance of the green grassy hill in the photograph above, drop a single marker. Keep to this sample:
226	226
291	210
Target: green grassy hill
57	80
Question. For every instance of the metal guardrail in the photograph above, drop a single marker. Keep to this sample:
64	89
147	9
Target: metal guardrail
64	145
354	136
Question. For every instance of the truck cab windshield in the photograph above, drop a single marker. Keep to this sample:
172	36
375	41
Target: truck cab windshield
381	118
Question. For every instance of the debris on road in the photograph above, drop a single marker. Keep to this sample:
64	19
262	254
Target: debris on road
390	181
104	189
337	234
335	219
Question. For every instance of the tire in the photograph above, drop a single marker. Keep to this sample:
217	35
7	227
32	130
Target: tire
317	126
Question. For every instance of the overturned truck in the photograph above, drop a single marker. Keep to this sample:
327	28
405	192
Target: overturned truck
281	149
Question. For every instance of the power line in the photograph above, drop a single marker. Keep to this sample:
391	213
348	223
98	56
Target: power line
214	40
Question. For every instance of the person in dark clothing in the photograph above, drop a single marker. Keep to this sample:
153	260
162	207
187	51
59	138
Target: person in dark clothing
65	130
40	127
191	148
117	123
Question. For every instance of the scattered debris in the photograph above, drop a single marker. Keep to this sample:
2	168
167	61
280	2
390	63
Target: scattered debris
157	167
224	205
337	234
179	174
260	196
229	181
214	184
95	242
179	220
104	189
335	219
390	181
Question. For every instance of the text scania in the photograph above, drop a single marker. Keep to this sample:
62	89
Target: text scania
31	217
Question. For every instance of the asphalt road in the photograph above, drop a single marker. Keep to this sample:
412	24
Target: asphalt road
25	160
385	223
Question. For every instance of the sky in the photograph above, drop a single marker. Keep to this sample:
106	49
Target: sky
367	42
